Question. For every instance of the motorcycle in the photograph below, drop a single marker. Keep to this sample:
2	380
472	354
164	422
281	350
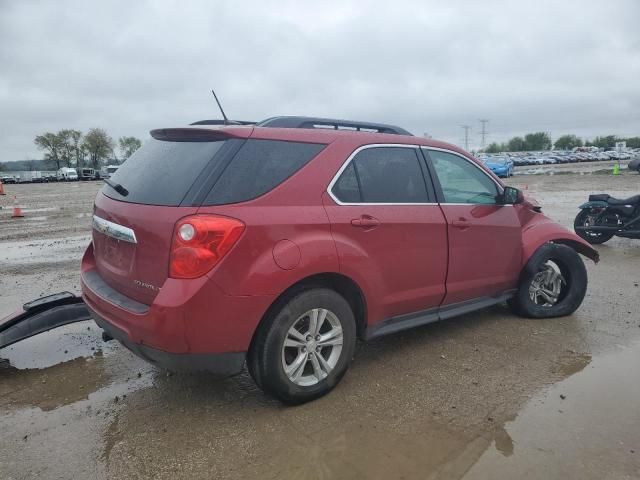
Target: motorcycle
604	216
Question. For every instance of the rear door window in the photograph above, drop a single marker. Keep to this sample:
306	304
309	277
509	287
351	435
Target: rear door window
162	172
384	175
258	167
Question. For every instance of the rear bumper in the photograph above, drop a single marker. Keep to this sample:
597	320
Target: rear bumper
220	364
190	325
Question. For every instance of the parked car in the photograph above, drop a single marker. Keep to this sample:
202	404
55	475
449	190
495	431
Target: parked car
279	244
501	166
635	165
29	177
8	179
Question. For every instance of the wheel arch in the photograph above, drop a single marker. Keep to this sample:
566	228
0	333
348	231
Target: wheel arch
338	282
547	231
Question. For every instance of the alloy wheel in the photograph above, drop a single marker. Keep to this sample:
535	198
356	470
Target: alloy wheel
312	347
547	285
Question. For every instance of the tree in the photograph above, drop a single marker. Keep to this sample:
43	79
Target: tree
50	143
608	141
98	145
65	147
567	142
516	144
77	149
495	148
537	141
633	142
128	145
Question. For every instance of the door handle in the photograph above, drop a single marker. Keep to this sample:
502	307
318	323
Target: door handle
462	223
365	221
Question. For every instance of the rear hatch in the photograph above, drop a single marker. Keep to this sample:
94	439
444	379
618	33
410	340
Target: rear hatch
134	216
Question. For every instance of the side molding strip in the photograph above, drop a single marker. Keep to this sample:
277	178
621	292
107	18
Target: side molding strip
411	320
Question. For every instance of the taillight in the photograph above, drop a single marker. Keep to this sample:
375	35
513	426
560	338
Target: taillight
199	242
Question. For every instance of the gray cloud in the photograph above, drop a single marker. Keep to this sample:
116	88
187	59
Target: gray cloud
562	67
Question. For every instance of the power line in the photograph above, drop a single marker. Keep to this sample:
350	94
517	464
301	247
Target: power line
483	132
466	135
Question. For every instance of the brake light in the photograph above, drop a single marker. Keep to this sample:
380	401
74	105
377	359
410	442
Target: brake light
199	242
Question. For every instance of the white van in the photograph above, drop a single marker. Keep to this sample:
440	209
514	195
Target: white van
67	174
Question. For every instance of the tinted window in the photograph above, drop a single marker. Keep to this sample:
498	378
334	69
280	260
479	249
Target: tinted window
346	189
161	173
461	181
385	175
259	166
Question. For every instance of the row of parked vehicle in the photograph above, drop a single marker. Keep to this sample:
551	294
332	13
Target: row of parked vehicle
64	174
558	156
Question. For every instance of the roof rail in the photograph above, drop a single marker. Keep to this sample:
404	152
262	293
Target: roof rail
222	122
313	122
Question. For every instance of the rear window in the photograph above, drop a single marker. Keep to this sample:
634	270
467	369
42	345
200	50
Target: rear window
161	172
258	167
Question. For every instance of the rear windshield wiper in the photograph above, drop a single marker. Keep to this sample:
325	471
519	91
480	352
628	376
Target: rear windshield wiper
117	187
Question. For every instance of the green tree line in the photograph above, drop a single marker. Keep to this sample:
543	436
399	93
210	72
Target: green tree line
72	148
542	141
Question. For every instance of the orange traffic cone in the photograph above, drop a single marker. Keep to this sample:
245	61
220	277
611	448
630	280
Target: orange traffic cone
17	211
2	188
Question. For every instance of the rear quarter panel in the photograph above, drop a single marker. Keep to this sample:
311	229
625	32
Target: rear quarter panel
288	235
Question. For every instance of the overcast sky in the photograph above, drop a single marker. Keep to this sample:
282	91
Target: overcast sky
128	67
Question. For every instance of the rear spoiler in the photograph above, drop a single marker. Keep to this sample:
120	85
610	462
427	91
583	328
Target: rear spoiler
196	134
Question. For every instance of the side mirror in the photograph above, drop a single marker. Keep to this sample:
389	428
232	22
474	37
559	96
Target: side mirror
511	196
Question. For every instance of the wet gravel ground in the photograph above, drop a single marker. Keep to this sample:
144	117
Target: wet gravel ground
486	395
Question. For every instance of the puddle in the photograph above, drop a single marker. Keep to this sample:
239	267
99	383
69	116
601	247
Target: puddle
52	419
587	426
593	432
62	344
44	251
61	367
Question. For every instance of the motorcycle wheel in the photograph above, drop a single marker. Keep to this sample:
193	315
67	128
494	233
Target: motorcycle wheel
584	219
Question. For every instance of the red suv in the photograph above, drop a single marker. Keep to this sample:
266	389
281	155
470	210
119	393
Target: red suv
278	243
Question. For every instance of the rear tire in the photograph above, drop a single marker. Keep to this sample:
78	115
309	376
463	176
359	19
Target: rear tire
594	238
302	350
545	293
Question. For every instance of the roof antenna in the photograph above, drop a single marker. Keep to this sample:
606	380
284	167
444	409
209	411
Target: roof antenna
226	120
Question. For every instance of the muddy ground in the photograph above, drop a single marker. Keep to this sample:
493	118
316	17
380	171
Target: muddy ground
484	396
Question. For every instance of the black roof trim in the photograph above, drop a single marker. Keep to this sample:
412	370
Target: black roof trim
313	122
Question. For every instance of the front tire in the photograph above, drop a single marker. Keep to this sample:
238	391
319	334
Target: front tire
303	349
552	284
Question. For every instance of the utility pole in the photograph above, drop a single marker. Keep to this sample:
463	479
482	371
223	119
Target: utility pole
466	135
483	132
